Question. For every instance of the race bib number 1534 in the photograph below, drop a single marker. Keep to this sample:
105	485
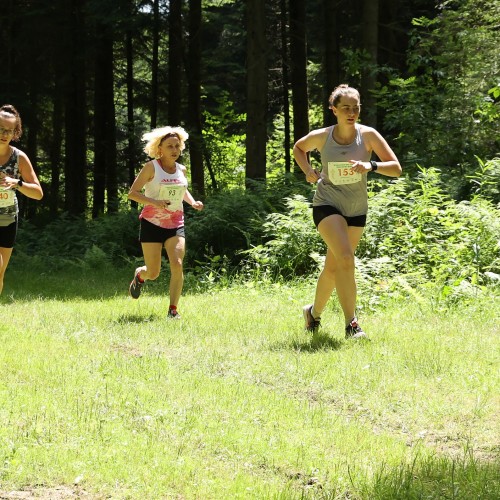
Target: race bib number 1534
342	173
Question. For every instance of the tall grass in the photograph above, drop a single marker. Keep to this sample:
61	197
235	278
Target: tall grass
105	397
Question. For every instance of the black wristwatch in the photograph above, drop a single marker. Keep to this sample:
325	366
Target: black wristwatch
374	166
19	183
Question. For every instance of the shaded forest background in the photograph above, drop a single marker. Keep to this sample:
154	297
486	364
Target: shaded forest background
246	79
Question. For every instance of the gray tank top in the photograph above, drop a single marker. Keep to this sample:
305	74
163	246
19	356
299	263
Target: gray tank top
338	186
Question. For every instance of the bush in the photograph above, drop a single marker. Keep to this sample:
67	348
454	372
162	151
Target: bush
416	234
292	246
426	234
229	221
110	237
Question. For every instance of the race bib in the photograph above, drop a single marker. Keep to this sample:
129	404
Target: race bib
340	172
174	194
7	197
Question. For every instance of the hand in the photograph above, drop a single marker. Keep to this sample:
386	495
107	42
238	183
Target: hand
312	176
161	204
361	167
7	182
197	205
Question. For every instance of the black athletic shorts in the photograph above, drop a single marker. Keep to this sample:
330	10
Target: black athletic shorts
322	211
8	235
151	233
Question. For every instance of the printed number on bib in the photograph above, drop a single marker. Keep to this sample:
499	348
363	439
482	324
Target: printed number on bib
342	173
174	194
7	197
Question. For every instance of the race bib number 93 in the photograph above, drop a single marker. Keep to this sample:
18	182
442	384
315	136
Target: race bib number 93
174	194
342	173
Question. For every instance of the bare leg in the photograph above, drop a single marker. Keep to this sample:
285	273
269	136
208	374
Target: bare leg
325	284
338	272
176	249
152	260
5	254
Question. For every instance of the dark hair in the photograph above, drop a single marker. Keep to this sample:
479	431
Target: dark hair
8	109
341	91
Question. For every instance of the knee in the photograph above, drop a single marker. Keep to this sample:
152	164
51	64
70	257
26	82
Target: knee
152	274
176	265
329	272
347	261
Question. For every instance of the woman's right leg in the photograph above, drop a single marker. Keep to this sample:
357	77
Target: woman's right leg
338	271
152	260
5	254
325	284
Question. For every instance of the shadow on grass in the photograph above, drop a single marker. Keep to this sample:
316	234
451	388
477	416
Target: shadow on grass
318	342
434	477
72	283
124	319
64	284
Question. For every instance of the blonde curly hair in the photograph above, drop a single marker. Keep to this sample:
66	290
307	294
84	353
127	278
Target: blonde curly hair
154	139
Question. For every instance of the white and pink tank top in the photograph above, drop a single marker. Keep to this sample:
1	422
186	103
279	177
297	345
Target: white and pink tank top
164	186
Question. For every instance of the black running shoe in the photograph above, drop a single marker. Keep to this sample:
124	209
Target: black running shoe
312	324
135	286
354	331
173	314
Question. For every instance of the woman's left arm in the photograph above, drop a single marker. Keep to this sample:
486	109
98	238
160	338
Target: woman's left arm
30	185
389	163
188	198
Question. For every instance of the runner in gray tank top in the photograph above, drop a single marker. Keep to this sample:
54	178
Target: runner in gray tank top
340	202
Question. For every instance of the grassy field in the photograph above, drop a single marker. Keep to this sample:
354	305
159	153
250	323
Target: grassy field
103	397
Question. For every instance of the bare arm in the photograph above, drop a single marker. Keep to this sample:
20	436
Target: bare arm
146	174
31	185
188	198
314	140
388	164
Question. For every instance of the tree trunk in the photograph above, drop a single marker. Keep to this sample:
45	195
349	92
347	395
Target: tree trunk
55	145
369	29
285	85
332	71
298	66
175	51
194	97
131	157
27	205
257	74
105	181
75	111
154	63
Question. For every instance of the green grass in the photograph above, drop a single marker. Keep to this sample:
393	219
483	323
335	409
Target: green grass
235	400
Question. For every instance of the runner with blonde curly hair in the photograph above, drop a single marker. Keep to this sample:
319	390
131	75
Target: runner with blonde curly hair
162	218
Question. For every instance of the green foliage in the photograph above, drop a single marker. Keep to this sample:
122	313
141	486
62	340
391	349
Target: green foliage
416	235
229	221
233	221
427	236
225	145
445	111
67	239
486	180
291	246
